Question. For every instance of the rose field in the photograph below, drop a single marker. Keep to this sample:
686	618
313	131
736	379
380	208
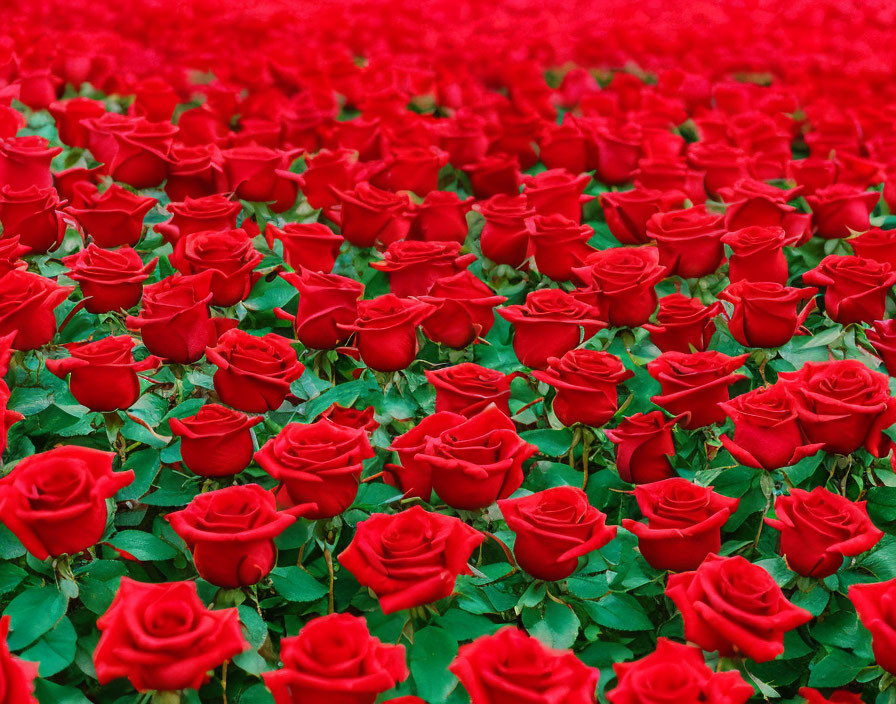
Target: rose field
447	352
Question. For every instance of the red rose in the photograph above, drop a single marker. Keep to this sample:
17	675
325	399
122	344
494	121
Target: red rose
386	331
812	174
722	163
618	149
683	323
216	441
735	607
103	373
695	383
163	638
840	209
841	696
66	181
689	241
112	218
465	310
874	605
197	214
327	303
676	673
251	173
155	99
140	155
757	254
196	172
254	373
492	175
411	558
843	404
558	245
55	501
441	217
413	477
25	162
10	255
468	389
753	203
553	529
477	462
766	314
309	245
505	237
337	169
684	523
564	146
230	533
101	133
334	658
511	666
883	338
27	302
369	215
68	115
876	244
414	169
352	417
228	254
17	676
551	323
557	192
34	216
767	433
818	529
318	466
627	212
413	267
110	280
671	174
855	289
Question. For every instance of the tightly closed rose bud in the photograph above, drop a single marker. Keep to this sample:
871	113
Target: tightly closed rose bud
68	115
877	245
370	215
113	218
413	477
27	302
441	217
25	162
855	289
230	533
511	661
627	212
464	310
34	216
874	605
551	323
180	639
757	254
318	466
766	314
17	675
557	192
689	241
883	339
310	245
55	501
254	373
469	388
110	280
228	254
197	215
411	558
735	607
493	175
753	203
695	383
558	245
553	529
843	404
818	529
684	523
841	209
413	267
386	331
676	673
643	446
683	324
216	441
335	658
327	303
505	237
355	418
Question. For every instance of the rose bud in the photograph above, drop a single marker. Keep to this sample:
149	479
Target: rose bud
812	174
251	173
327	303
18	675
643	447
68	115
230	533
766	315
553	529
684	523
174	320
874	605
551	323
198	214
306	245
723	164
675	672
110	280
325	171
441	217
468	389
511	661
841	696
140	157
334	658
757	254
254	372
370	216
352	417
767	432
883	339
465	310
839	210
25	162
877	245
505	237
627	212
103	373
27	302
216	441
843	404
618	150
413	267
228	254
752	203
557	192
689	241
181	640
855	289
386	331
196	172
671	174
586	384
411	558
818	529
735	607
558	245
318	466
683	324
413	477
34	216
695	383
492	175
55	502
477	462
113	218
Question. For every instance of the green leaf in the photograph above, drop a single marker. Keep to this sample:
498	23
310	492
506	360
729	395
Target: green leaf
11	576
32	613
51	693
621	612
557	628
433	650
54	651
142	545
836	669
295	584
551	443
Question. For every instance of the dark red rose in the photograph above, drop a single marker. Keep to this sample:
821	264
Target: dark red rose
812	174
469	389
110	280
140	156
505	237
216	441
754	203
68	115
17	675
553	529
413	267
369	215
735	607
839	210
25	162
757	254
27	302
325	171
34	216
876	244
874	605
327	303
557	192
352	417
334	658
230	533
883	338
627	212
689	241
551	323
465	310
558	245
307	245
643	446
766	314
413	478
11	252
441	217
318	466
855	289
113	218
198	214
683	324
228	254
55	501
671	174
617	152
492	175
179	638
684	523
722	163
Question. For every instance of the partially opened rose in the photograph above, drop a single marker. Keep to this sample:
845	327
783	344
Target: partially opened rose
469	388
228	254
766	314
839	209
643	446
683	324
413	477
214	212
505	236
465	310
27	302
113	218
689	241
110	280
16	676
413	267
875	604
855	289
34	216
216	441
327	303
627	212
307	245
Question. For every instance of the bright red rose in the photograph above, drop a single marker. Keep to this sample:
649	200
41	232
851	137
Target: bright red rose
492	175
370	216
327	303
197	214
855	289
671	174
25	162
413	267
327	171
841	209
66	181
841	696
251	172
113	218
874	605
110	280
140	155
216	441
11	252
564	146
27	302
414	169
412	476
352	417
883	339
558	245
757	254
34	216
723	164
309	245
753	203
228	254
441	217
877	245
505	236
468	389
689	241
766	314
683	323
618	150
557	192
16	676
68	115
627	212
812	174
196	172
465	310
